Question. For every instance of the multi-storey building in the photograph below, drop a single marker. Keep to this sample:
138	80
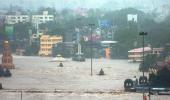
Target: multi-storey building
157	51
136	55
35	19
45	17
13	19
132	17
47	42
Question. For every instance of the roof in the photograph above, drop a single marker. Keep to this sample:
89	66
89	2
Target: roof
140	49
108	42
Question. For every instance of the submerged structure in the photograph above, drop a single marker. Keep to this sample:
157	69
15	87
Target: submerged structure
159	75
7	60
79	56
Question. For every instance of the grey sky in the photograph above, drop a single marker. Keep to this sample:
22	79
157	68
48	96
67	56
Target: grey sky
104	4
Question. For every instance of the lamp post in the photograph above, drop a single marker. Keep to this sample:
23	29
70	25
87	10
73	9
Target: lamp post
143	40
78	37
91	48
21	95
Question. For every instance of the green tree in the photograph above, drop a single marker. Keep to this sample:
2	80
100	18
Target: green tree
32	50
127	38
21	30
149	61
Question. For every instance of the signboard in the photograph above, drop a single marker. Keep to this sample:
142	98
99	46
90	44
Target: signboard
9	30
104	23
2	35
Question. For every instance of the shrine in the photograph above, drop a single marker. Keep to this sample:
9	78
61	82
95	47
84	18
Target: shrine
7	60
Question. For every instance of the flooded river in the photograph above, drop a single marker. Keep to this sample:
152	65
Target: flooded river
73	80
40	73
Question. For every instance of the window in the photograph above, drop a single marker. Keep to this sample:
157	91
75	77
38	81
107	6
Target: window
50	18
12	17
24	17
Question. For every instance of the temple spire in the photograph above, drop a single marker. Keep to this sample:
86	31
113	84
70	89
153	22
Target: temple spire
7	60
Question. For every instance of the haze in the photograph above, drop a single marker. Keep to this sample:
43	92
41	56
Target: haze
147	5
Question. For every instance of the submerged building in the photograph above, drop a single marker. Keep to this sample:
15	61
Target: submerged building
136	55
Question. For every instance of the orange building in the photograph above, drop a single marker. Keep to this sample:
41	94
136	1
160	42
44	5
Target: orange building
47	42
107	53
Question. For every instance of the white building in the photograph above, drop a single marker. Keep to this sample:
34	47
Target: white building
157	51
36	19
45	17
136	55
132	17
13	19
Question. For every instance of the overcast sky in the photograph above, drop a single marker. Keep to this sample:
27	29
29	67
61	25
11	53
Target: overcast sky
104	4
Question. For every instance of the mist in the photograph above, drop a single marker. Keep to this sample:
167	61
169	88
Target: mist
147	5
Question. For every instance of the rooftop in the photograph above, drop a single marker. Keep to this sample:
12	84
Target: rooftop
140	49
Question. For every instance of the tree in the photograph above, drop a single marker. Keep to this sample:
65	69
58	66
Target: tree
32	50
21	30
127	38
149	61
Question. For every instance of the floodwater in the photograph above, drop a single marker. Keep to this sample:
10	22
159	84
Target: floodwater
71	82
39	73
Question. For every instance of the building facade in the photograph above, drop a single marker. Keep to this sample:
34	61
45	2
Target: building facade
45	17
13	19
157	51
136	55
132	17
35	19
47	42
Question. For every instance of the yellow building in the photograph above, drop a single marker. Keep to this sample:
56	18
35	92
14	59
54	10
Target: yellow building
47	42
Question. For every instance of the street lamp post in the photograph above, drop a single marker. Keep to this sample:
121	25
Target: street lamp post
91	49
78	37
143	40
